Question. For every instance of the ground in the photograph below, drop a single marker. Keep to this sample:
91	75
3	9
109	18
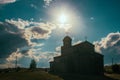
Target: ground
42	75
106	76
36	75
113	76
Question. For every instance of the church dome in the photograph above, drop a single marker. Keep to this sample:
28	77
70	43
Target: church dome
67	38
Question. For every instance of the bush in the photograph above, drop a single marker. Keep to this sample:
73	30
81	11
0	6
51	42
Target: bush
18	69
116	68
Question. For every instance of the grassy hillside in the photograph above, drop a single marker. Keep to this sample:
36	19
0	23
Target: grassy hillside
113	76
88	77
37	75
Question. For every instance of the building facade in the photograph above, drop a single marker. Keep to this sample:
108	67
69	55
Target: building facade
79	59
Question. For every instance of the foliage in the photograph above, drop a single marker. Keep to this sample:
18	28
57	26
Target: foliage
116	68
108	69
33	64
18	69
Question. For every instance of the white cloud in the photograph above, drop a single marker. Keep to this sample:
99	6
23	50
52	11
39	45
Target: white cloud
111	40
47	2
109	46
33	6
13	56
92	18
33	30
7	1
58	49
77	42
33	54
21	24
28	31
7	65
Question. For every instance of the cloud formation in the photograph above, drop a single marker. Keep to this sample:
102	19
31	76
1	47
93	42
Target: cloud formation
7	1
32	30
13	56
17	37
10	39
33	6
109	47
47	2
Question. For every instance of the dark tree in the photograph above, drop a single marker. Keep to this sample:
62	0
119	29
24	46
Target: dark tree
33	64
115	68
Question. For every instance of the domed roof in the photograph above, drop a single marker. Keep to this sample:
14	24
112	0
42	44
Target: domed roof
67	38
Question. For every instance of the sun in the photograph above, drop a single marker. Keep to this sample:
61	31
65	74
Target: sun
62	18
64	22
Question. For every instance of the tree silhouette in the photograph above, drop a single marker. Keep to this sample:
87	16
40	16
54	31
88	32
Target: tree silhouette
115	68
33	64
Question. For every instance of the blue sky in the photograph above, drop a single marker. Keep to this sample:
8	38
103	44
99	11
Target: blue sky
30	29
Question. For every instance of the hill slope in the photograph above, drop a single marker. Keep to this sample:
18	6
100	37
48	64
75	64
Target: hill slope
28	76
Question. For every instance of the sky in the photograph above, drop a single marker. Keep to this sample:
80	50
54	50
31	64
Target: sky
32	29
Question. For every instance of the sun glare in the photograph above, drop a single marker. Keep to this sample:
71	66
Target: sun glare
64	22
62	18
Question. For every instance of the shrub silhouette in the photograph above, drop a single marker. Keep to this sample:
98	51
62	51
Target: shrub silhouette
18	69
115	68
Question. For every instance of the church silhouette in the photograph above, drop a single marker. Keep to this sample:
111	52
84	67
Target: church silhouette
77	59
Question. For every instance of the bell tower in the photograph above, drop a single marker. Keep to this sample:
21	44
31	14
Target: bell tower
67	42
